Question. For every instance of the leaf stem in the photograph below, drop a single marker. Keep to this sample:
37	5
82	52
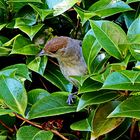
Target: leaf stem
40	127
3	124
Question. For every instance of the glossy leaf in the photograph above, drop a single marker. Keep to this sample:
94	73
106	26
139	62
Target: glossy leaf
4	51
38	64
25	48
89	86
82	125
25	1
102	124
30	30
42	135
13	93
2	26
55	104
60	6
36	95
110	38
128	108
123	80
134	27
43	13
119	131
105	8
33	133
96	97
21	71
90	49
54	75
5	111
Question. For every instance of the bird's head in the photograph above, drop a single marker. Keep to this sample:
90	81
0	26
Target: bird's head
55	46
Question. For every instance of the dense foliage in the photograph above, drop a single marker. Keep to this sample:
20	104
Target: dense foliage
33	92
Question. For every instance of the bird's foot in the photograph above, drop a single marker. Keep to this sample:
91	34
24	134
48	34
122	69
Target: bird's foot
71	98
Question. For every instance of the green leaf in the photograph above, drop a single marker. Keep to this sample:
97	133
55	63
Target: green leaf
2	26
102	124
82	125
8	72
52	105
3	137
43	13
39	1
24	48
38	64
42	135
4	51
21	71
123	80
54	76
131	1
23	21
36	95
90	49
2	4
60	6
110	37
105	8
128	108
96	97
13	93
134	27
5	111
33	133
89	86
31	30
119	131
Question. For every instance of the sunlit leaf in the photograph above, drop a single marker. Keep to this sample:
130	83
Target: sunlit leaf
13	93
128	108
102	124
55	104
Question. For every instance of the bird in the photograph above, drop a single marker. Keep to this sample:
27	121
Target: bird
68	52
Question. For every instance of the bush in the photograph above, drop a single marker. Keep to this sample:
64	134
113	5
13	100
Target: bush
33	91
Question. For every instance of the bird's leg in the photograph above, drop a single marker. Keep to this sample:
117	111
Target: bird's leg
71	98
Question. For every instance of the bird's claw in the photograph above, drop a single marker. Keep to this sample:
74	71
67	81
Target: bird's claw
71	98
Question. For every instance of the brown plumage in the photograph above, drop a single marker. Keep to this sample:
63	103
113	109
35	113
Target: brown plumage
68	52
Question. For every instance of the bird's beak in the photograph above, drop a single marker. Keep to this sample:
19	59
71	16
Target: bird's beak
41	53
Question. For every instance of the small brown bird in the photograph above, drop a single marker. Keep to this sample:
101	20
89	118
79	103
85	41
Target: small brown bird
68	52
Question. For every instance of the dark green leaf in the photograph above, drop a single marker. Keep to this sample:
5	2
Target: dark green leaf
128	108
30	30
102	124
42	12
123	80
54	75
36	95
25	48
13	93
21	71
110	38
89	86
55	104
38	64
90	49
105	8
33	133
96	97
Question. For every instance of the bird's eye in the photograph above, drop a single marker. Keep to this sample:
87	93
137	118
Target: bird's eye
80	43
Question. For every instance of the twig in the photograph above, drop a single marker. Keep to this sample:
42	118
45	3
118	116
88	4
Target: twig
3	124
54	62
43	84
132	130
40	127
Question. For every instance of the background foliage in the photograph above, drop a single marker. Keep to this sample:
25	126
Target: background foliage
33	92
